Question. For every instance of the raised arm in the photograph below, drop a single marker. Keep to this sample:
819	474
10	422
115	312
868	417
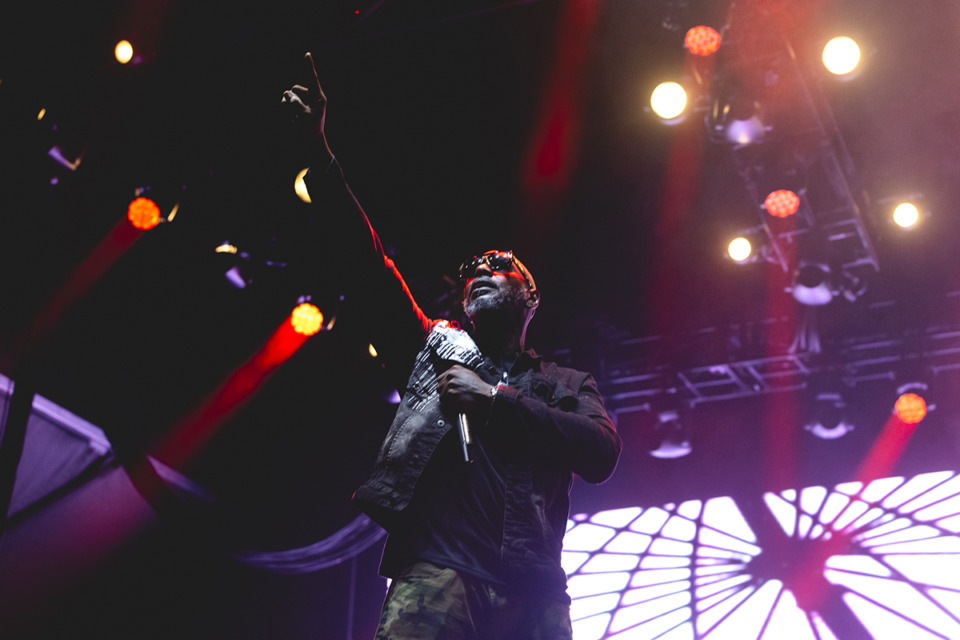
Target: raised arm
307	109
340	227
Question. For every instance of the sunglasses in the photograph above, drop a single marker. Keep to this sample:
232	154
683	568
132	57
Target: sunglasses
496	260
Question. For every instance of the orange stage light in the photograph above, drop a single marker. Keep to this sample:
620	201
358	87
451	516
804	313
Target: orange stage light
702	40
782	203
306	319
143	213
910	408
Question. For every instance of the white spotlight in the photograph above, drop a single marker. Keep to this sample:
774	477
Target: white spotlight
906	215
841	55
739	249
123	52
668	101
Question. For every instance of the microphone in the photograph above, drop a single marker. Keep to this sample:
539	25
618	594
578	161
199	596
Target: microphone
455	346
464	431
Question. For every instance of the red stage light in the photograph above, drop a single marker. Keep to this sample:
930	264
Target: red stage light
306	319
910	408
782	203
143	213
702	40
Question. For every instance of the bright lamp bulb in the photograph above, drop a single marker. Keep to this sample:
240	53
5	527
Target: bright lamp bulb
782	203
306	319
910	408
841	55
739	249
668	100
143	213
702	40
123	52
906	215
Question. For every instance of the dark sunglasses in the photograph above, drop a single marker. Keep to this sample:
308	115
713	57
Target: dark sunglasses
497	261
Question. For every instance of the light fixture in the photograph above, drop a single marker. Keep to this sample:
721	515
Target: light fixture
673	436
782	203
143	213
153	205
748	246
668	101
912	404
244	267
306	318
841	56
812	285
829	419
740	249
737	120
702	40
906	215
123	52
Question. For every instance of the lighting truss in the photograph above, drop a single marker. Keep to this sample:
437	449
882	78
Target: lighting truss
631	372
807	139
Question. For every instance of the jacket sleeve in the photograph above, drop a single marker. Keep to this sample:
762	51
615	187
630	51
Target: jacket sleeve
573	429
356	261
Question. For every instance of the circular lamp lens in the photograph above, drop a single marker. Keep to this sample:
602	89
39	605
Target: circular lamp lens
739	249
841	55
306	319
668	100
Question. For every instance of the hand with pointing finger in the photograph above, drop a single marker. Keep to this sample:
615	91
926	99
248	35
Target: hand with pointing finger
308	106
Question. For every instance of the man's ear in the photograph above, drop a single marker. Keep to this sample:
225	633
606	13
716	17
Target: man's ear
533	298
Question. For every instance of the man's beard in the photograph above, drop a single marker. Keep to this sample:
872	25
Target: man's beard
503	301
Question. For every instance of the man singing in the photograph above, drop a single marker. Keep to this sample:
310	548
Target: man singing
472	481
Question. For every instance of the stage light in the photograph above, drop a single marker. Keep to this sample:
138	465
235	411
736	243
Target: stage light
782	203
912	404
742	132
736	119
829	420
673	436
123	52
906	215
841	56
812	285
911	408
306	319
143	213
300	188
815	284
372	351
702	40
668	101
239	274
740	249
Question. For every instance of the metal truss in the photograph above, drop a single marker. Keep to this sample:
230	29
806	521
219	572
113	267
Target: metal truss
634	373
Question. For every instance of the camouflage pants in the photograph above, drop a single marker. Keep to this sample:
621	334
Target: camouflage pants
428	602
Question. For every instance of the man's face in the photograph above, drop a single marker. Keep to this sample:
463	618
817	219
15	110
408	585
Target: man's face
497	288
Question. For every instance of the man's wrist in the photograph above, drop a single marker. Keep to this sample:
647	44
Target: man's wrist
494	390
